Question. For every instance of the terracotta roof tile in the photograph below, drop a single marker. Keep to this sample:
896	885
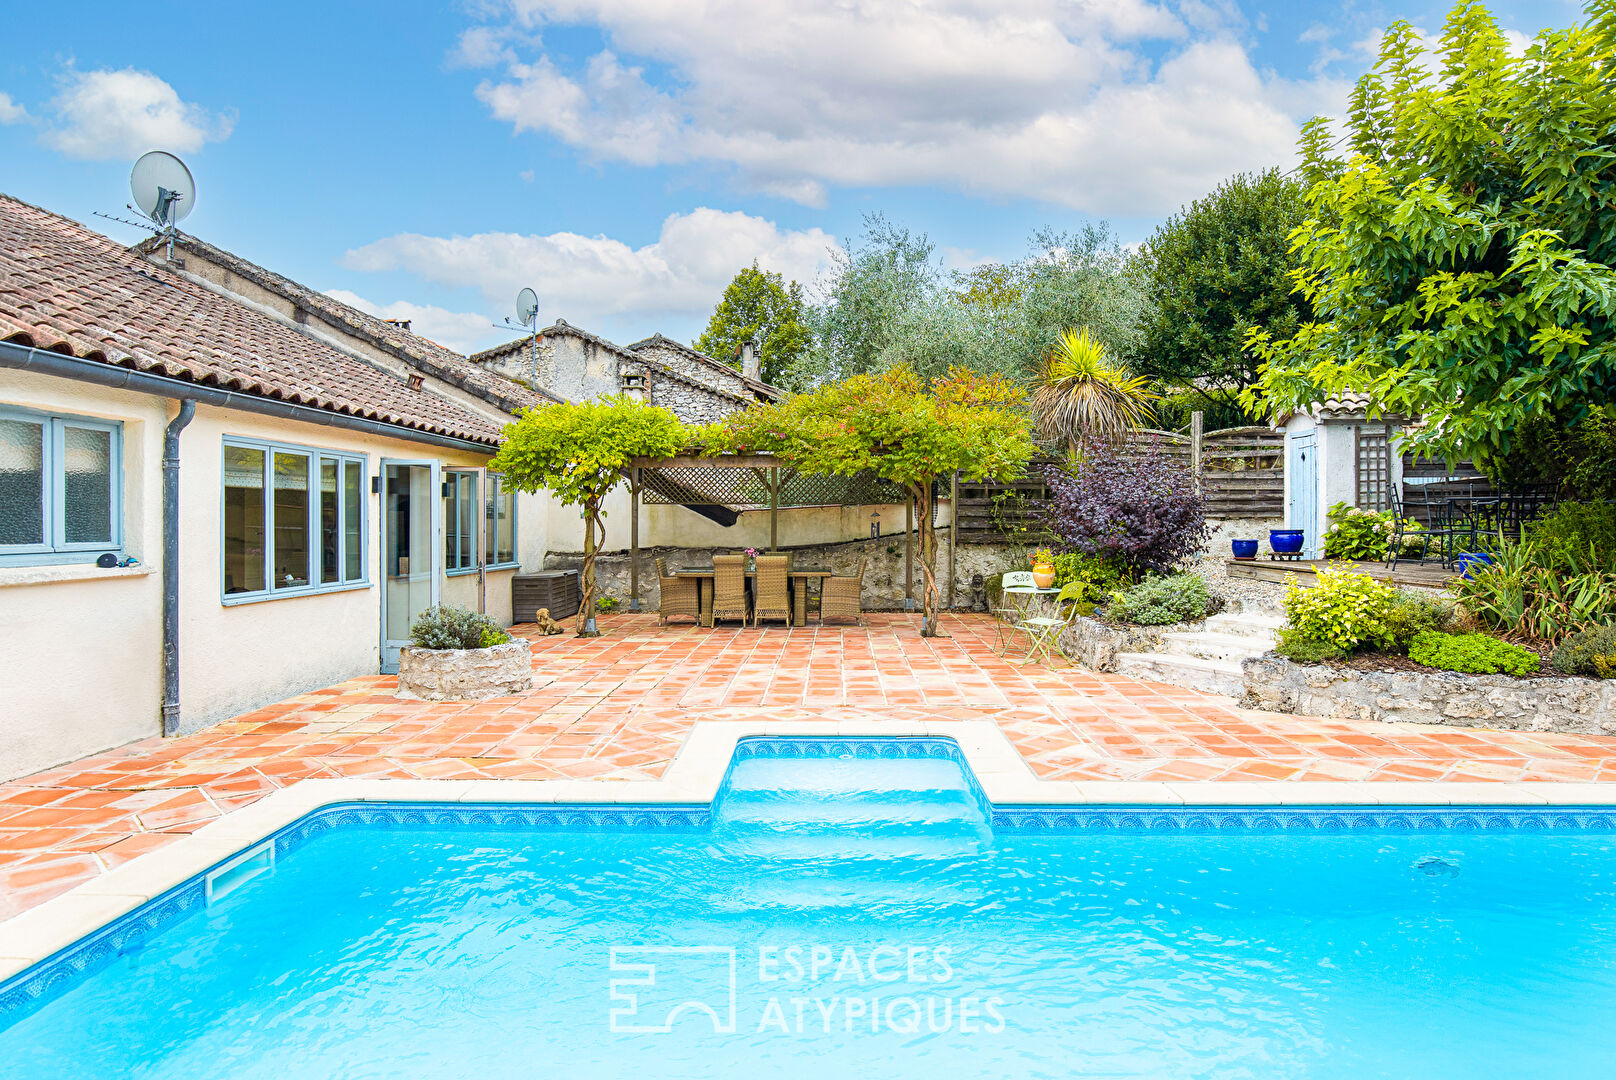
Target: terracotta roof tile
69	289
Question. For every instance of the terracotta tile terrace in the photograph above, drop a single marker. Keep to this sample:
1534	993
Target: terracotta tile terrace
618	707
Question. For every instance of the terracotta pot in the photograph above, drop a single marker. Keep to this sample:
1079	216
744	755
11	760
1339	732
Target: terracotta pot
1043	576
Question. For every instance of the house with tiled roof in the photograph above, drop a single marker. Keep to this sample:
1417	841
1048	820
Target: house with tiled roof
219	488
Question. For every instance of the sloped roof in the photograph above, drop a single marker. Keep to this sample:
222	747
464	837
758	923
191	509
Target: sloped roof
561	327
422	353
68	289
755	385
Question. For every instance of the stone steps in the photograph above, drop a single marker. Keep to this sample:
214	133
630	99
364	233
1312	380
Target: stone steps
1207	659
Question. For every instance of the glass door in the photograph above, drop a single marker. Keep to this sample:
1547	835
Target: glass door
410	551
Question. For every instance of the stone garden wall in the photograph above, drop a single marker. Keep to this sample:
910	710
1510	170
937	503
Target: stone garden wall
1571	705
465	674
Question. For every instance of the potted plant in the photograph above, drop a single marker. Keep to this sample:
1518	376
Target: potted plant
458	655
1043	568
1244	549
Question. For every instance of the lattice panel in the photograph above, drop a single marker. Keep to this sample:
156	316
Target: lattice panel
742	489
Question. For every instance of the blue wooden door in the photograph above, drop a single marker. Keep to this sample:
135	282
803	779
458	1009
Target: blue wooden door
1302	462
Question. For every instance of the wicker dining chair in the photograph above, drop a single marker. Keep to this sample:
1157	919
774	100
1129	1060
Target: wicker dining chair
729	587
676	595
772	593
839	596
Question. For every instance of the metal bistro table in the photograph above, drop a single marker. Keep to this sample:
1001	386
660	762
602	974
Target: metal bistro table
800	576
1042	632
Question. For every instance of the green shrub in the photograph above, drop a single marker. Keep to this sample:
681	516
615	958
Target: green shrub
1156	600
444	626
1344	609
1477	654
1579	537
1411	613
1591	652
608	603
1305	650
1094	576
1363	534
1521	594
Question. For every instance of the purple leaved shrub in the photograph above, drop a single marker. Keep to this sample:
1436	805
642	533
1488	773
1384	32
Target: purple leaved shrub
1133	504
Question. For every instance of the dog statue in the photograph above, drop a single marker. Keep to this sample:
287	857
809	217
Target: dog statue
547	625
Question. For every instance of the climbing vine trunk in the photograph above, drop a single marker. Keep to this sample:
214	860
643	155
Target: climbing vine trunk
928	562
586	608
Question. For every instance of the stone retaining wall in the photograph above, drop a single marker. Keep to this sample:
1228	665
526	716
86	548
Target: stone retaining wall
1094	645
1571	705
465	674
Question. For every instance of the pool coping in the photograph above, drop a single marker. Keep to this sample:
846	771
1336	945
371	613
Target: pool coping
693	778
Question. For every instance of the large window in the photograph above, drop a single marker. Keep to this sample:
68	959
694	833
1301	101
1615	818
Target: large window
294	520
501	524
459	520
61	486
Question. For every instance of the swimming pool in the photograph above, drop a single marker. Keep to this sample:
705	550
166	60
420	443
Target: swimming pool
857	907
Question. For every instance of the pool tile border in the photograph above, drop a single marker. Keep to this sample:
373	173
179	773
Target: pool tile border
693	779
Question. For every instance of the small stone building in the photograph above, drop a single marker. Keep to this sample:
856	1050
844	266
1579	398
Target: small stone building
576	365
1335	452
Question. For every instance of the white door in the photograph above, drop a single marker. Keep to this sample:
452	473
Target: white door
411	509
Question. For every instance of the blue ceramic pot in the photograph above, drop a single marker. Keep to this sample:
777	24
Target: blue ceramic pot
1285	541
1466	561
1244	549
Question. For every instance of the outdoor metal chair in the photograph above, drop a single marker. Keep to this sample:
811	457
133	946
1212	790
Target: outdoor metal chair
1009	613
772	592
839	596
729	588
676	595
1444	525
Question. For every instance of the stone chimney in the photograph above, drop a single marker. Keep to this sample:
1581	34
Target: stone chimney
751	363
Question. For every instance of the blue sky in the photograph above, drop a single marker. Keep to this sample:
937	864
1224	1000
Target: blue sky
626	157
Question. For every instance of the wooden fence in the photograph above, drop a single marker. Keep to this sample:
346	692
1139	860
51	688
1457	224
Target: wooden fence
1241	471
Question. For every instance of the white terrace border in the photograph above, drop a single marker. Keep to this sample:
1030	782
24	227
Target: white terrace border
693	778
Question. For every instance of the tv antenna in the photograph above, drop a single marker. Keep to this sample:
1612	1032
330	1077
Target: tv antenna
164	191
527	317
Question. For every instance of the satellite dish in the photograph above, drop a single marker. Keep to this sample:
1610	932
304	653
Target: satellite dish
163	188
527	306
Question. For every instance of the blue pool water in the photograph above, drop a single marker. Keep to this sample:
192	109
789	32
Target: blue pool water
862	912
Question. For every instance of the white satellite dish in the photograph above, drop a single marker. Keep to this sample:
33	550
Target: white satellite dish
163	188
527	306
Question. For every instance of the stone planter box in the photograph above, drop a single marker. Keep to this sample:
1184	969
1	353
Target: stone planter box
1092	644
465	674
1563	704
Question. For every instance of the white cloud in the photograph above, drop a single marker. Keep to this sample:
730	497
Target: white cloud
591	280
461	331
10	111
1052	99
106	115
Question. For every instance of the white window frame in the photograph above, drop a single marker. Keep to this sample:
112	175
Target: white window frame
316	456
495	482
451	520
55	547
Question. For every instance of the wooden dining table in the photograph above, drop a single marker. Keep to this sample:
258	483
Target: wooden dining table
800	576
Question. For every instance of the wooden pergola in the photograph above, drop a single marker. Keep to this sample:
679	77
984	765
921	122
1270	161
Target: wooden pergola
772	473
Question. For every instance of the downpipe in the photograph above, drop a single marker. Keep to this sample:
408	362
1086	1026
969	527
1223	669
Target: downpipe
171	565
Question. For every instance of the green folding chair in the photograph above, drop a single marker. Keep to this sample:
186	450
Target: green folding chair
1009	613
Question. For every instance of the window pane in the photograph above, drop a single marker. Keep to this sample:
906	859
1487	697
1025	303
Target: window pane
330	518
468	519
291	520
501	524
22	482
243	519
87	487
353	521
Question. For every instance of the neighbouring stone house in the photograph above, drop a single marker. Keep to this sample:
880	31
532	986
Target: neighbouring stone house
576	365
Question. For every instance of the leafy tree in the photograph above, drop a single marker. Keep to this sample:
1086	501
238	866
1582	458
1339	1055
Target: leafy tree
758	306
1082	397
580	452
1217	271
902	427
1460	260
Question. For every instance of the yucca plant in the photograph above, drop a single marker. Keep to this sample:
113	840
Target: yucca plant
1082	396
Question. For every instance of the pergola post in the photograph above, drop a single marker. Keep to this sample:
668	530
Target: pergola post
634	539
774	508
909	554
953	532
